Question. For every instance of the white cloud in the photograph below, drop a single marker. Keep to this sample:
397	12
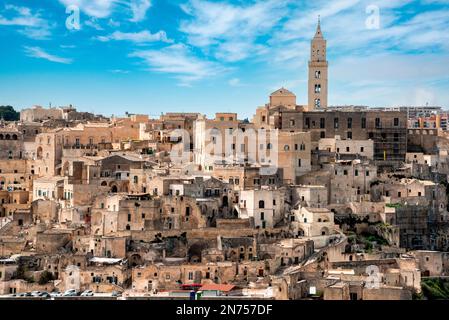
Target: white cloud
93	8
120	71
390	79
179	61
104	8
113	23
31	24
93	23
230	31
137	37
139	9
234	82
37	52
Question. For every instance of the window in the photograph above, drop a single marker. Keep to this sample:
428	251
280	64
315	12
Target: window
362	149
261	204
378	123
349	135
296	146
367	173
262	216
129	217
307	122
363	123
396	137
263	118
299	162
190	275
349	123
322	123
336	123
396	122
286	147
347	149
269	146
317	74
356	173
292	123
136	179
317	88
317	103
345	172
322	134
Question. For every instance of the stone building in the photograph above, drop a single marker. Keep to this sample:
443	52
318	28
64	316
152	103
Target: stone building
264	207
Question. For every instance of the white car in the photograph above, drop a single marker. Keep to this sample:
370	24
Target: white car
87	293
55	294
70	293
36	293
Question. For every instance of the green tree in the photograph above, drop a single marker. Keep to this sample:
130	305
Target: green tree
45	277
9	114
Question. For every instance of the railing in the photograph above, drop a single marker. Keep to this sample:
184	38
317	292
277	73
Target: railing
80	146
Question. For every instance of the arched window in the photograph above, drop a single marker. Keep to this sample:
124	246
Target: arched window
317	88
14	136
286	147
317	74
39	153
317	103
7	137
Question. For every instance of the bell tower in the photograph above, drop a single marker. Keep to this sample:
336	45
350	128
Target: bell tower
318	67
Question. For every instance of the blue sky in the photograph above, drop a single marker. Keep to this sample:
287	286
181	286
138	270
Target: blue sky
153	56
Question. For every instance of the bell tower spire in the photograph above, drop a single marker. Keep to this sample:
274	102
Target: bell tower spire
318	71
318	33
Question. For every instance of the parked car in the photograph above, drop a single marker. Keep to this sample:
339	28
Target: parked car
70	293
35	293
87	293
44	294
24	294
56	294
116	294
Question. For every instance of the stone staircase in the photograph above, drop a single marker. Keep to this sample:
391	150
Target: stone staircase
4	223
